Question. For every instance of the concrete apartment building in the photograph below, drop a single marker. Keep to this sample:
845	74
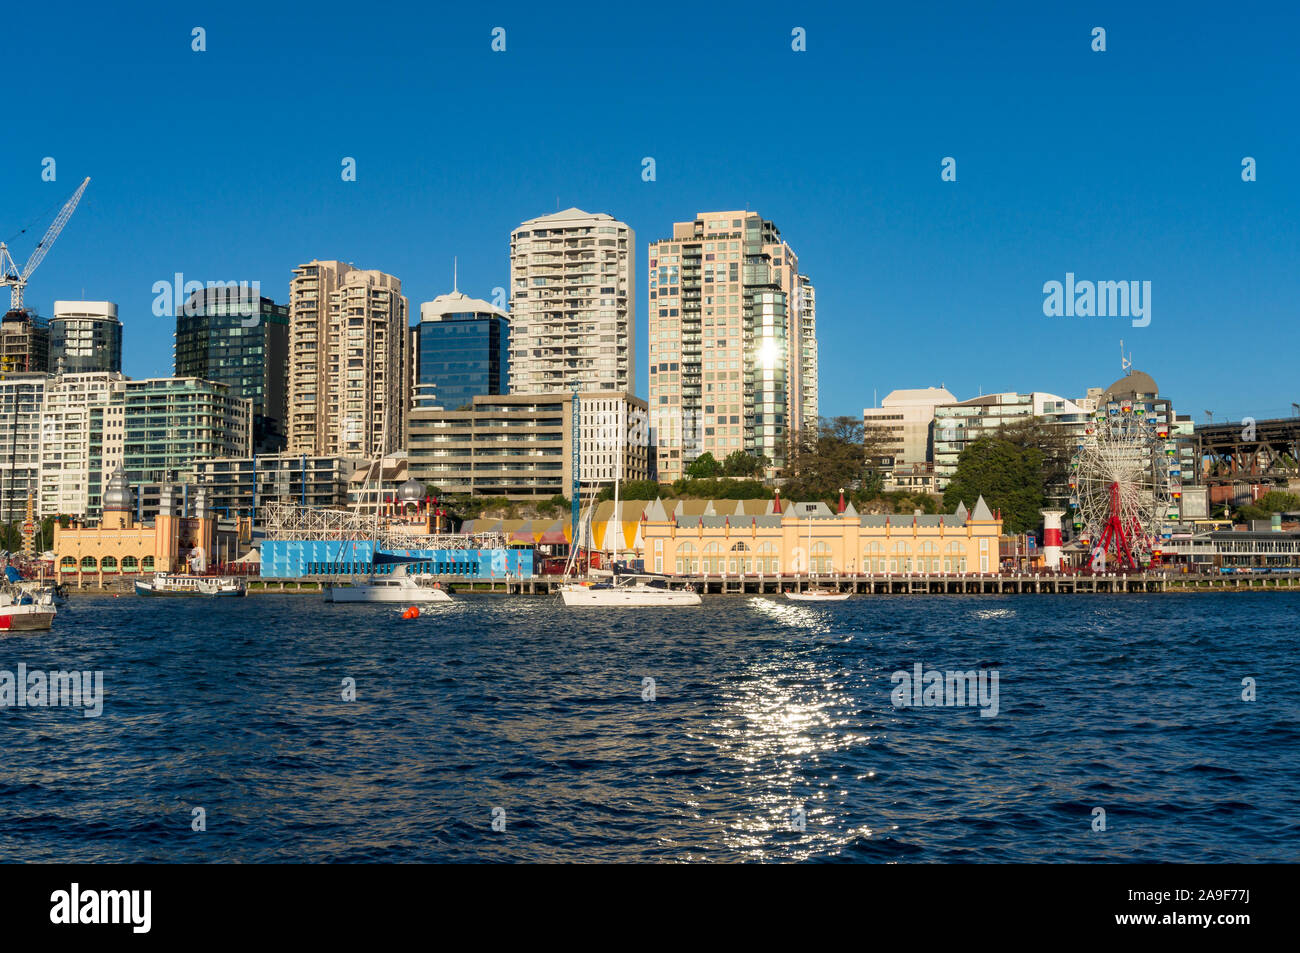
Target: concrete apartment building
572	304
902	424
348	360
21	397
732	341
809	371
521	445
66	434
85	337
83	433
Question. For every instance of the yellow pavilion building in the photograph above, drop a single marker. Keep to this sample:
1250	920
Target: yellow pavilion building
772	537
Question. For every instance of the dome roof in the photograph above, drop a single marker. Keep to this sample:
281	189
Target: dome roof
412	491
1132	384
117	495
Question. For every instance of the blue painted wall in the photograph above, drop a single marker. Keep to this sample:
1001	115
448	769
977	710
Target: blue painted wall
297	558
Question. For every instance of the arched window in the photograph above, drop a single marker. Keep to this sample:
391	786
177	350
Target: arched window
146	564
68	564
87	563
900	557
769	558
714	561
739	561
928	558
954	557
108	564
821	556
130	564
873	557
686	559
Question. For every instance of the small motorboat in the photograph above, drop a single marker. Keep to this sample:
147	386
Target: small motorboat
21	613
396	586
818	594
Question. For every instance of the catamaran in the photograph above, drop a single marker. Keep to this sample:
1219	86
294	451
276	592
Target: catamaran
628	590
638	590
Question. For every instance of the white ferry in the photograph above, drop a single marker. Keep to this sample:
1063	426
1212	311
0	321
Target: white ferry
185	584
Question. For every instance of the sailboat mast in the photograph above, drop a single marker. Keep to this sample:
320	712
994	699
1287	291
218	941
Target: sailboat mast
618	476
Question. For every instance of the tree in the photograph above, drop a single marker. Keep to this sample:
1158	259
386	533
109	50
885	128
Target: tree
703	467
632	490
1274	501
1009	477
741	464
836	454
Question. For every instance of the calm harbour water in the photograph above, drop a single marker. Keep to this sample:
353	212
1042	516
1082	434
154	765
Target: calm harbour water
1128	703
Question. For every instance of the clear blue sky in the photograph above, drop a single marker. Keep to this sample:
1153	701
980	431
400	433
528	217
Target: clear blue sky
224	165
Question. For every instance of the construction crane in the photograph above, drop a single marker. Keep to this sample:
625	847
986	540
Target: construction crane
15	278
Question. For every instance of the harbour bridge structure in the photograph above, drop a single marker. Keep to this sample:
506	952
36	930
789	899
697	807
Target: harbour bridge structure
1255	451
1125	486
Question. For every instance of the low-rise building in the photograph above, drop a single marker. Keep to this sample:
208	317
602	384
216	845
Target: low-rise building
771	537
120	545
521	445
237	486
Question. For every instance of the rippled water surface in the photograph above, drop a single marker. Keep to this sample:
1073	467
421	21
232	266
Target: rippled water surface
1128	703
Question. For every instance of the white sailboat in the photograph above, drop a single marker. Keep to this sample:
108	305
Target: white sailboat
635	590
816	593
820	594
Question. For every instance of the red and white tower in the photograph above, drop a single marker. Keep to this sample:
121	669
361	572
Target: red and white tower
1052	539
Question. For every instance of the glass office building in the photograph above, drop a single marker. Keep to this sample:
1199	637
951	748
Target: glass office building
222	335
462	351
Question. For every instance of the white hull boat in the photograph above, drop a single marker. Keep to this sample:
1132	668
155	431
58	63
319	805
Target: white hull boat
183	584
629	592
398	587
817	595
24	615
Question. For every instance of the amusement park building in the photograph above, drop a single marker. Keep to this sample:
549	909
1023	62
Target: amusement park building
770	536
119	545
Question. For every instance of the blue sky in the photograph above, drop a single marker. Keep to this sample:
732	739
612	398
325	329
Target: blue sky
1122	165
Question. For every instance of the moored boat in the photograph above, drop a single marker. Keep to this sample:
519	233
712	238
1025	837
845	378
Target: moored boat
396	586
820	594
20	613
628	592
186	584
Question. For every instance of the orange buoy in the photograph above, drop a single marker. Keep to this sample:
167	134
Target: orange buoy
411	613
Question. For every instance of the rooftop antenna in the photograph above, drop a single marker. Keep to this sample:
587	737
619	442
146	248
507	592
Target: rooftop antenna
1296	408
1125	363
454	266
1210	414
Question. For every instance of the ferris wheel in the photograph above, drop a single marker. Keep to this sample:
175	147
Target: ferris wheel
1124	486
